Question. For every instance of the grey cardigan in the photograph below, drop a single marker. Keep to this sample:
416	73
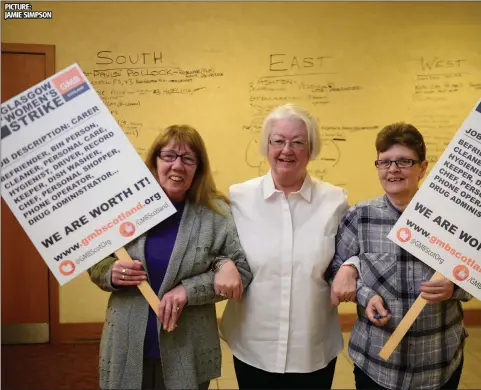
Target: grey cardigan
191	354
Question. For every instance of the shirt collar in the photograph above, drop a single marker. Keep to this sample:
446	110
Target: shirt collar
268	187
389	205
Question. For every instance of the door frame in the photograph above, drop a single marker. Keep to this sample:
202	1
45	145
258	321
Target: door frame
53	287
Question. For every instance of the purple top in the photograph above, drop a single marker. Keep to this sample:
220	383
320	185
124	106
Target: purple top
158	249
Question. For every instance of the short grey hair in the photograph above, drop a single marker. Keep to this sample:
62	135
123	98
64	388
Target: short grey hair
291	111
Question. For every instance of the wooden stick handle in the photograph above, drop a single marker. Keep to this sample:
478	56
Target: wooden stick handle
144	287
405	324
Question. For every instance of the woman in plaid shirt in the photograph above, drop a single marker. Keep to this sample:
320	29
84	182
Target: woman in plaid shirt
430	356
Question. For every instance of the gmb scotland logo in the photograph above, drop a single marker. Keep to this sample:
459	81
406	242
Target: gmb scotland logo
404	234
66	267
127	229
461	272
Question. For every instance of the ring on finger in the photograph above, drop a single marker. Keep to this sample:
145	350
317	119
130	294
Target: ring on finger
124	270
222	294
176	309
123	277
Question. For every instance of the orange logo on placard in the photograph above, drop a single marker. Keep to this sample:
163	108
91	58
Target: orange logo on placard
66	267
461	272
127	229
68	80
404	234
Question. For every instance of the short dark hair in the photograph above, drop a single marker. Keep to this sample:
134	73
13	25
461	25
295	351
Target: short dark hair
403	134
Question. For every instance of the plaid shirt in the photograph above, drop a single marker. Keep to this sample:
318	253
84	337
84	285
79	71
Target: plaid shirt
432	348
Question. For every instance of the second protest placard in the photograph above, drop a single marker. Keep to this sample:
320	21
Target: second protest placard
441	225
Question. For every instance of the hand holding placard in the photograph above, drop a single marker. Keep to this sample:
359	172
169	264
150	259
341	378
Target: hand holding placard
405	324
144	287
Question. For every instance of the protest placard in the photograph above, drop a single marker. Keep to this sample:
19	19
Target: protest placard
441	224
71	177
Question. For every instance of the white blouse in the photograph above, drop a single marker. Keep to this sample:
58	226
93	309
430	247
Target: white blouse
285	321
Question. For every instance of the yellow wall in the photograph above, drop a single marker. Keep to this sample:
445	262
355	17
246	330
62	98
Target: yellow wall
358	66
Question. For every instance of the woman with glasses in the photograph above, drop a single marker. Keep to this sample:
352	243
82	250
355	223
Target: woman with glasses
430	356
190	259
285	333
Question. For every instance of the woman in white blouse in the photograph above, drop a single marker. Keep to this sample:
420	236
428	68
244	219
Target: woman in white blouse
285	333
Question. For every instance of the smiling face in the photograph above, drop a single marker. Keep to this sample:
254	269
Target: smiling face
288	163
400	182
176	177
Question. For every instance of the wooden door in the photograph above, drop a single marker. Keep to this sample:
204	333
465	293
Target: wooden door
29	291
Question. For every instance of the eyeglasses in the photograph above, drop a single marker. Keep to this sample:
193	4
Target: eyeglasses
171	156
281	144
402	163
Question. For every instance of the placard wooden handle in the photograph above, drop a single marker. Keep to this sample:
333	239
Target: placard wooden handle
405	324
144	287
